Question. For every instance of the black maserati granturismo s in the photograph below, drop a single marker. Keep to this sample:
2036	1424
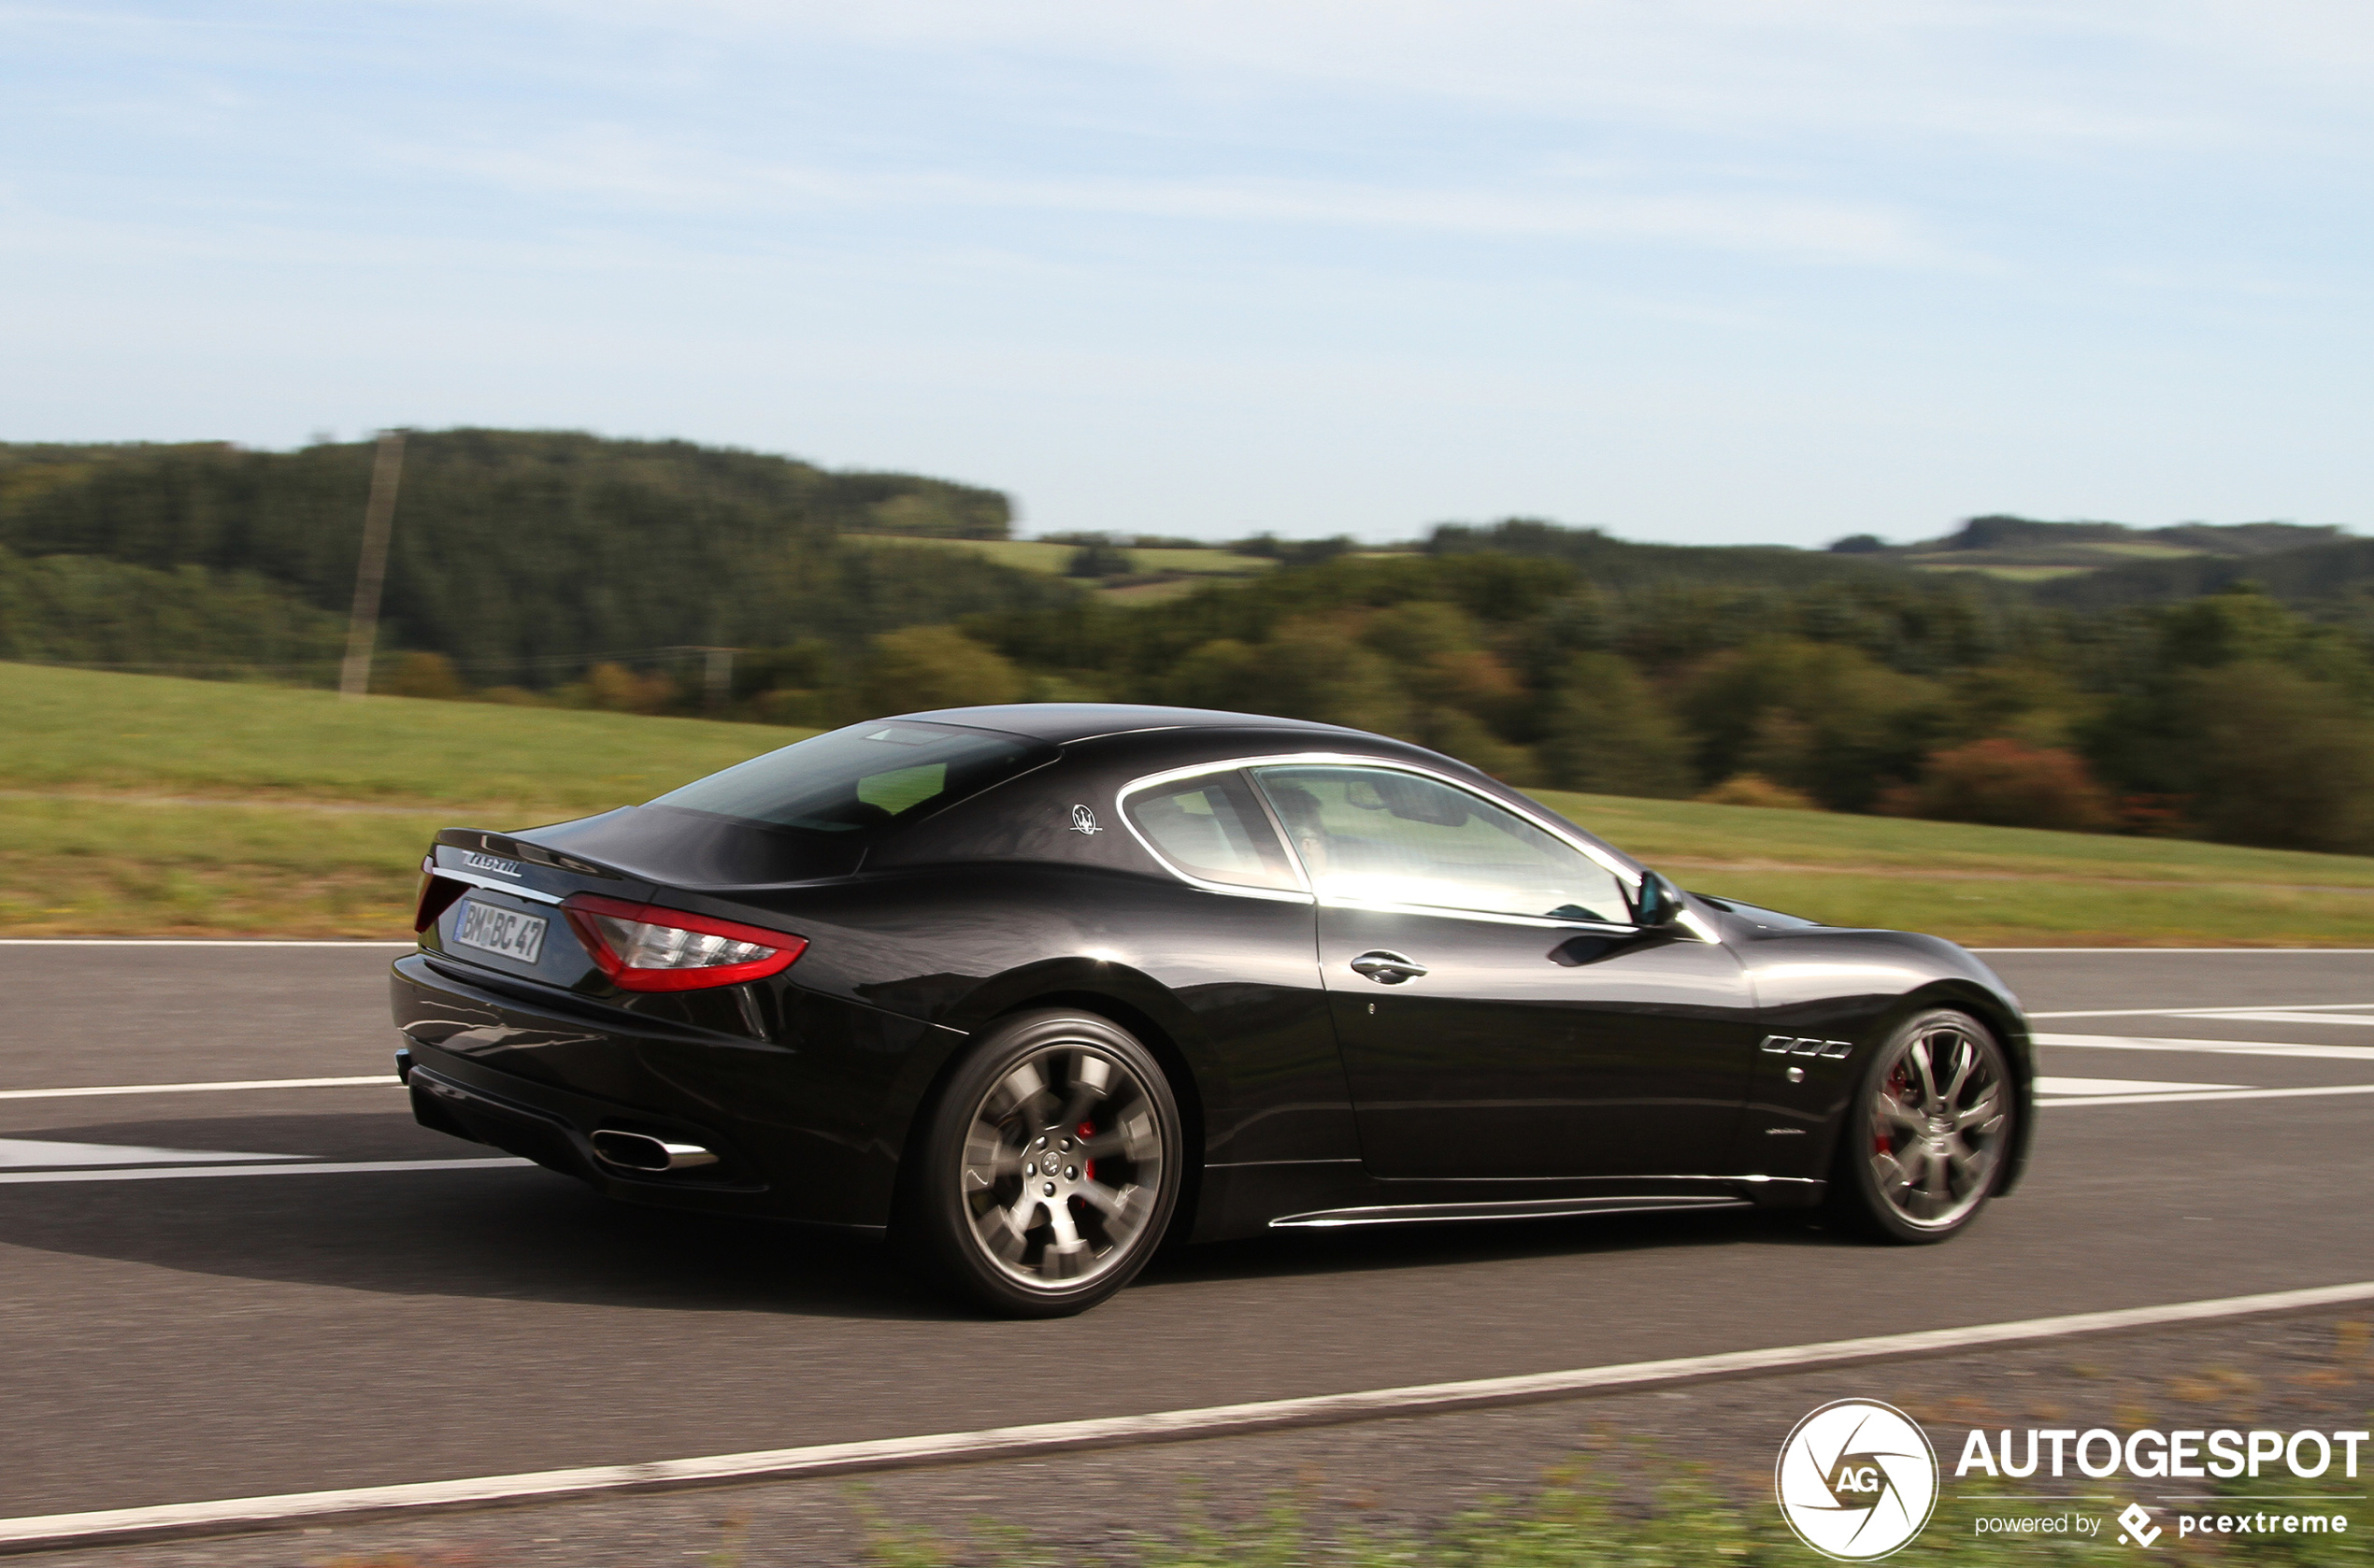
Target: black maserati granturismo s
1029	987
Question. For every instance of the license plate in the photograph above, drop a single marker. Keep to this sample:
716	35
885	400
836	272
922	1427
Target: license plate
500	931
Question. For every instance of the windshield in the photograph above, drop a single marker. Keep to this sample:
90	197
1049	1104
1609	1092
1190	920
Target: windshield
868	775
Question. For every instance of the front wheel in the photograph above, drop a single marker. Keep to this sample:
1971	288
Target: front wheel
1928	1131
1046	1169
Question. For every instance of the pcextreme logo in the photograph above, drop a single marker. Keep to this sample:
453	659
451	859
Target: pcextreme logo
1857	1480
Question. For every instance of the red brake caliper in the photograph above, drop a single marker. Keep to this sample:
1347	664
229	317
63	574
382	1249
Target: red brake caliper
1897	1082
1087	1167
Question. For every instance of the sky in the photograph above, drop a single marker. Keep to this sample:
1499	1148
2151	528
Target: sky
1709	271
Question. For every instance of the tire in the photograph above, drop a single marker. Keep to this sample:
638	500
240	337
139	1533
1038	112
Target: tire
1044	1173
1928	1133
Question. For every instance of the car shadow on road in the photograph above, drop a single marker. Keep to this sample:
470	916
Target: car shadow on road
526	1234
1385	1247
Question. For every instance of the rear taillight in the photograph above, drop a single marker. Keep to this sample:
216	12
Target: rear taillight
642	947
436	896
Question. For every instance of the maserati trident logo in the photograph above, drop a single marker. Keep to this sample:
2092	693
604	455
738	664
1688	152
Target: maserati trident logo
1084	820
1856	1480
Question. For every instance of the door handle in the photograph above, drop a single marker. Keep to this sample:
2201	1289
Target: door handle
1386	969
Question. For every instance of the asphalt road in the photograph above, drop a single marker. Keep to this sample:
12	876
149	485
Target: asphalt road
181	1338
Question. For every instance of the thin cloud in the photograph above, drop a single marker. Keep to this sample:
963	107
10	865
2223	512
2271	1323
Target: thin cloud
617	169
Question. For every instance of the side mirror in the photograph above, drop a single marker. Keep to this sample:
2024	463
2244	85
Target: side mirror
1660	901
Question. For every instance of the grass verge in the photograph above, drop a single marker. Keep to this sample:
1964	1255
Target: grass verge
105	868
139	803
1582	1518
1994	887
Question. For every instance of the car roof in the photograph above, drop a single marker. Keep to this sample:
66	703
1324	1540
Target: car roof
1066	722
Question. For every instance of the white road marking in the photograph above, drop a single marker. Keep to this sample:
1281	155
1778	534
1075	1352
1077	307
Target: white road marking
40	1152
1166	1426
324	1168
2211	1095
2324	1018
2119	1086
372	1081
185	942
2204	1012
2213	1047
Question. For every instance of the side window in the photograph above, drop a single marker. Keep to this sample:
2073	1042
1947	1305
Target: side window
1375	836
1212	828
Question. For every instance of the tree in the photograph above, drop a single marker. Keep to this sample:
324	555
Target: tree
2282	761
424	674
1609	735
934	666
2008	784
620	689
1098	557
1755	789
1822	717
1307	669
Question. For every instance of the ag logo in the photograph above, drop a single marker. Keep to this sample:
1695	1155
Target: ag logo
1856	1480
1084	820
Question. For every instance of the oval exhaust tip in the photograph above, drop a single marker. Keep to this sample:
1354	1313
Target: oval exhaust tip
640	1151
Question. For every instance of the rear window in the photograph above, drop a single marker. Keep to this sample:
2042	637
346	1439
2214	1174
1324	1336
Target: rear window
865	776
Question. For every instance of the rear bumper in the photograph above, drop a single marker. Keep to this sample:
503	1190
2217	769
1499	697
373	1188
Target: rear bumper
555	1131
806	1125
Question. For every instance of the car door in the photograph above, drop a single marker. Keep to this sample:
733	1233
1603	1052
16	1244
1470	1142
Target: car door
1499	1015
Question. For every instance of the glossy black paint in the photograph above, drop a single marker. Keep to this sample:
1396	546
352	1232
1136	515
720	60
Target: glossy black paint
1536	1060
1503	1062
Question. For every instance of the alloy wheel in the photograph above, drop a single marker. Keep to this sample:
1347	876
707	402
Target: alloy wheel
1940	1114
1062	1166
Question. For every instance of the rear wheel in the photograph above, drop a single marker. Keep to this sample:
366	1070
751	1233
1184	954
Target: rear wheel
1928	1134
1047	1168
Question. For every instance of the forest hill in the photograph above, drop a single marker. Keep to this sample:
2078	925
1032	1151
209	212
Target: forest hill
552	567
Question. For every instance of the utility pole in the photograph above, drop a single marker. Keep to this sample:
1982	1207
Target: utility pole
371	570
717	683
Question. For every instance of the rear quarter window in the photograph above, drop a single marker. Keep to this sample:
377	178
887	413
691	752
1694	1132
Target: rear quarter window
1213	829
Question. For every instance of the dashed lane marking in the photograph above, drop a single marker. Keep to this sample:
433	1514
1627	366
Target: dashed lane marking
374	1081
18	1153
2212	1048
325	1167
2045	1085
2323	1018
2209	1012
2211	1095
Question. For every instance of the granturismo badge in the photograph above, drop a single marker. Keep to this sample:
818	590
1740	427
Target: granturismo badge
1856	1480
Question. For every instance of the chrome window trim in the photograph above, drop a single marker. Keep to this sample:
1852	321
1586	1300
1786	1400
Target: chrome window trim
1440	911
1293	862
1616	868
1688	918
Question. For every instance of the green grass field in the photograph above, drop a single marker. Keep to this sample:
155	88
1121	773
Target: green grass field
2008	573
81	731
142	804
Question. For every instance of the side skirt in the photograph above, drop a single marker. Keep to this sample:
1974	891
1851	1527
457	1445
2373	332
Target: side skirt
1716	1193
